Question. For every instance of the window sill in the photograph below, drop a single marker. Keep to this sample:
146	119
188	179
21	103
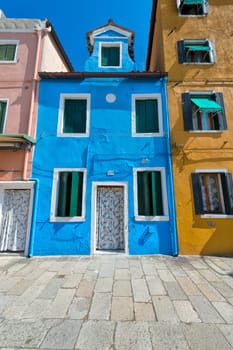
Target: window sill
199	63
158	134
73	135
200	16
8	62
67	219
216	216
151	218
206	131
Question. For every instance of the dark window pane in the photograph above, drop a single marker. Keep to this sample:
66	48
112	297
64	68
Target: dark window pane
2	114
110	56
75	115
7	52
147	116
149	190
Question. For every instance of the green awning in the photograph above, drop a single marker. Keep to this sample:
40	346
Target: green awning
197	47
193	2
206	104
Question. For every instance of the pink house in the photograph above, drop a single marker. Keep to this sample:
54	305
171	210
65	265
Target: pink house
27	46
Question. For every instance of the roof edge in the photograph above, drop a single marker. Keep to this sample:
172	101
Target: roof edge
151	33
83	75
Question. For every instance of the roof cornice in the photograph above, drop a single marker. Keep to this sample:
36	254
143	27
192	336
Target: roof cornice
84	75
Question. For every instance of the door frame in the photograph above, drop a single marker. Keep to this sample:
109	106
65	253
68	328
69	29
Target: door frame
95	186
19	185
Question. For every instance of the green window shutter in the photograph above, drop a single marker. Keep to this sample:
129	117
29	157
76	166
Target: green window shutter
147	116
2	114
157	199
75	115
110	56
76	194
63	191
150	201
70	192
7	52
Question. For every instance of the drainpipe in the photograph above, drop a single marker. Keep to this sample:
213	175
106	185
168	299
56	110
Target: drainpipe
34	94
34	213
174	237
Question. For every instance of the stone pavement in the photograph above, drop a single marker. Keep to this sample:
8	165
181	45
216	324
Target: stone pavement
116	302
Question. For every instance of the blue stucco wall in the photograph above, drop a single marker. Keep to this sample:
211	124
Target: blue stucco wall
109	146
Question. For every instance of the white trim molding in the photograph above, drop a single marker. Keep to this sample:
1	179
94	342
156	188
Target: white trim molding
149	96
109	44
138	217
7	100
10	42
95	185
54	199
72	96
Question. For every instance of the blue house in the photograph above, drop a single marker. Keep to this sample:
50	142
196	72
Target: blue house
102	161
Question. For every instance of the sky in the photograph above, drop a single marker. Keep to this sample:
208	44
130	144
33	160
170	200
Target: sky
75	18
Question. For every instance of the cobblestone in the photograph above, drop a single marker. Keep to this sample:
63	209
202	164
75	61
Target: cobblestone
116	302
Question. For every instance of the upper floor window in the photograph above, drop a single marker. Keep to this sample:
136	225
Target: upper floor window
3	110
192	7
8	51
196	51
213	192
150	194
147	115
203	111
68	195
74	115
110	55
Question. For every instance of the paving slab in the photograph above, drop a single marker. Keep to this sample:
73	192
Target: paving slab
225	310
164	309
174	291
96	335
205	337
185	311
79	308
167	337
144	312
122	309
100	307
155	285
62	336
227	331
140	290
205	310
132	336
122	288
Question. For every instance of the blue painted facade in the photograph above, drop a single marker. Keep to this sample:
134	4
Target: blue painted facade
109	154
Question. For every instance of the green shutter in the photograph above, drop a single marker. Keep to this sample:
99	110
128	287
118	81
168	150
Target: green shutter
150	201
75	115
110	56
146	116
76	194
7	52
2	114
156	189
70	192
62	193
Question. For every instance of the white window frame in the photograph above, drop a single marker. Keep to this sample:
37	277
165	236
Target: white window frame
164	217
109	44
212	51
214	171
7	100
54	200
11	42
72	96
160	115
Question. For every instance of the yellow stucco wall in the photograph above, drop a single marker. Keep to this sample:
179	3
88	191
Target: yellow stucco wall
198	150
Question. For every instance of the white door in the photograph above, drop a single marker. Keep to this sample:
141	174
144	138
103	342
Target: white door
110	218
14	220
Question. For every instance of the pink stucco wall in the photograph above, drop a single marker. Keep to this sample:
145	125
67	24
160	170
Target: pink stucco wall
20	84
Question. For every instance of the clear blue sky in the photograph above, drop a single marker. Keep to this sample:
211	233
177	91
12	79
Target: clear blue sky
71	20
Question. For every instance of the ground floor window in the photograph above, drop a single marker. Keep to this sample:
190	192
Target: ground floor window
69	193
150	201
213	192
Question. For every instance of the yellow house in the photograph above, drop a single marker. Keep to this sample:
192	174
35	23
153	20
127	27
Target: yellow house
192	40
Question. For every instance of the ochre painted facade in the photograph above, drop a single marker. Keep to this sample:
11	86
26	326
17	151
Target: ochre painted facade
196	150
